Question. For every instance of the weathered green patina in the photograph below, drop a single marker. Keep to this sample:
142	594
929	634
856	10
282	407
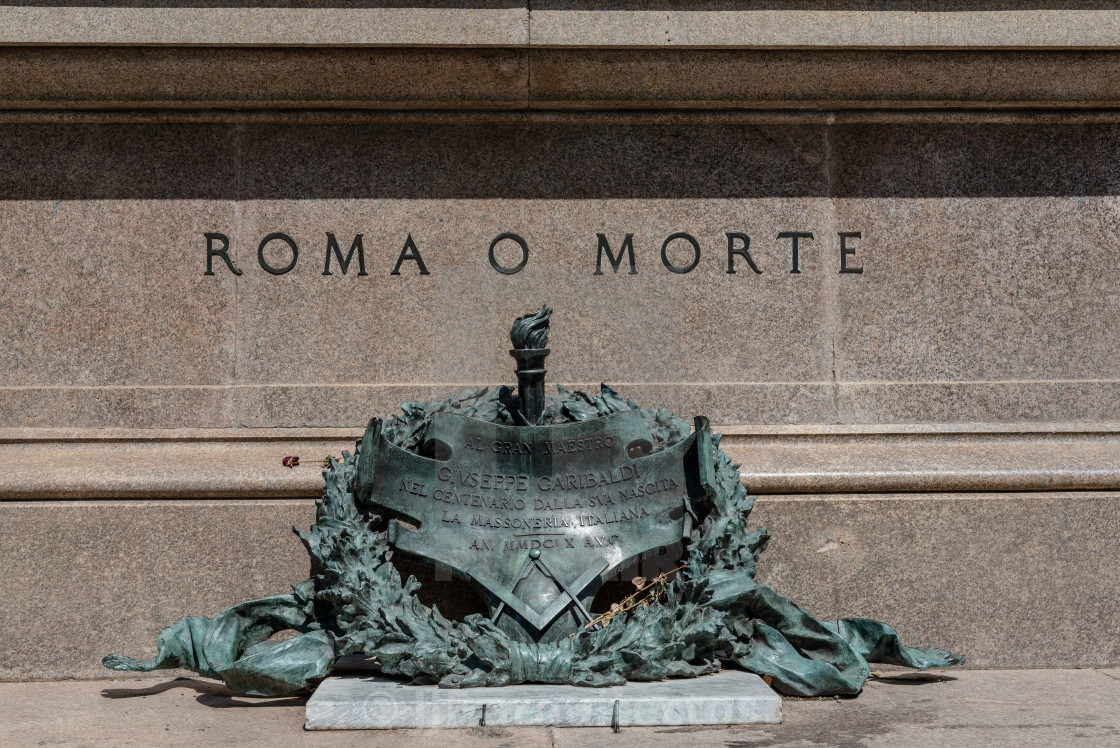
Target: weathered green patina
533	500
534	529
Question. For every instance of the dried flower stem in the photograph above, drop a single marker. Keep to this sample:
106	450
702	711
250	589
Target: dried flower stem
654	588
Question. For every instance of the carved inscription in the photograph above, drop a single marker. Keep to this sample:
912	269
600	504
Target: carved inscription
588	482
278	253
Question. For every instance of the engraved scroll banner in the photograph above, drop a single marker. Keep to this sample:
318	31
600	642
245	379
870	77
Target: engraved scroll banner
533	516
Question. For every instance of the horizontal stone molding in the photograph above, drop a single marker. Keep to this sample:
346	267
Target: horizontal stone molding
570	24
581	24
979	458
613	78
994	576
69	464
498	117
557	78
165	469
252	77
489	24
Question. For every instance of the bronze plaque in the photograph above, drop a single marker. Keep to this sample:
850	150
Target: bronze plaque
533	516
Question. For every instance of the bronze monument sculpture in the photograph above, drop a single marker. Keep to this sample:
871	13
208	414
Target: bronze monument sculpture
533	500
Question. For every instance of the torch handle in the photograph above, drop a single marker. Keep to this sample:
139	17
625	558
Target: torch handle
530	382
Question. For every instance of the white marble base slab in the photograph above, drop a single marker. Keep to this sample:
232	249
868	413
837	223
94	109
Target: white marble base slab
374	702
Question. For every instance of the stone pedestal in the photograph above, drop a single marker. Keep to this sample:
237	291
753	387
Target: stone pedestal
377	703
934	440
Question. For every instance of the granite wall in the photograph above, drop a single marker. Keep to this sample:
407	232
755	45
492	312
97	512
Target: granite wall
987	291
928	404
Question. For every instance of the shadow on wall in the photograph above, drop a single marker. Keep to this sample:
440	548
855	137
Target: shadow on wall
555	161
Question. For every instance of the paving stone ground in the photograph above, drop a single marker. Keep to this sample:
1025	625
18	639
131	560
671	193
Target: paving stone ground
975	708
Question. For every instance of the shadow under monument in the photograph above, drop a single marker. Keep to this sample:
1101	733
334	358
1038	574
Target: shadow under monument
210	693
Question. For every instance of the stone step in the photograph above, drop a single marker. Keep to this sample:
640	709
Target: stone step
247	463
732	697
